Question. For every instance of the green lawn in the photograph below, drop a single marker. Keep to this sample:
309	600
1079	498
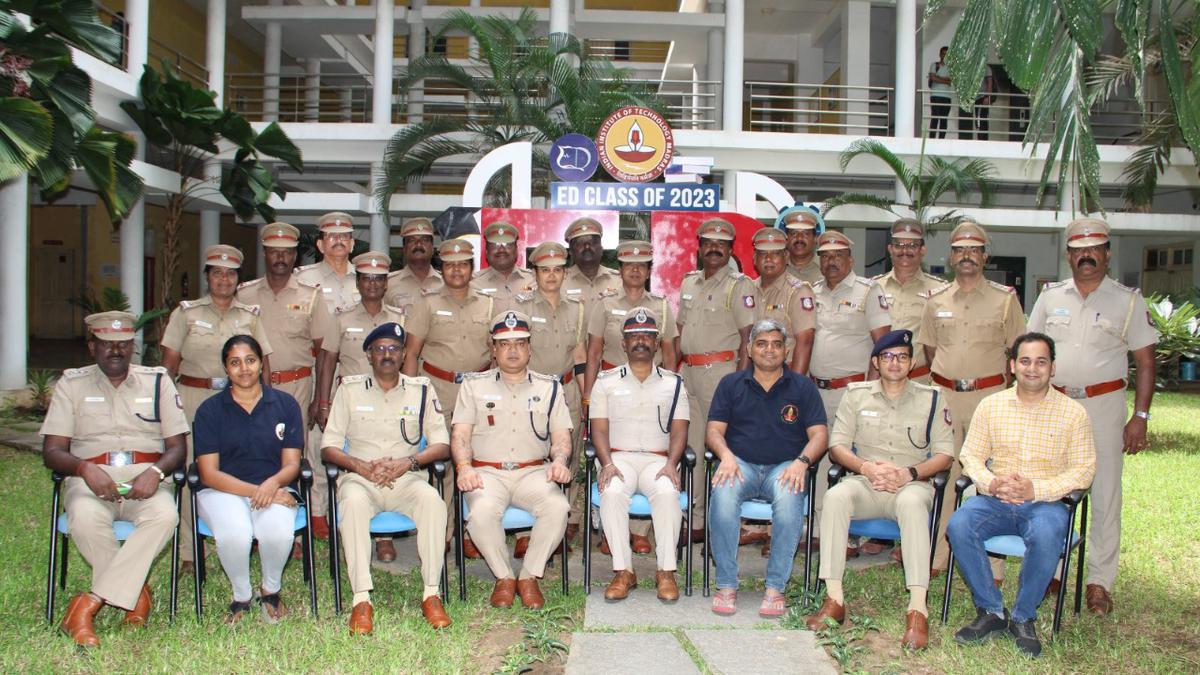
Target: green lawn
1156	627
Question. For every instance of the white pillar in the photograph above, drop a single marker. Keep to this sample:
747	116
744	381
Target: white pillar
381	103
312	91
560	16
133	248
137	22
380	234
260	258
14	282
416	49
856	63
714	72
272	50
347	105
210	219
905	94
735	34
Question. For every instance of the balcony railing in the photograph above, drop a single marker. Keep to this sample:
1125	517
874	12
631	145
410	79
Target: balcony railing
819	108
329	98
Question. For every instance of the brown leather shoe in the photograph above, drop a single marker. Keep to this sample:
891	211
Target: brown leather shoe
385	550
916	631
749	537
320	527
851	552
79	621
872	547
622	582
140	614
521	548
531	594
1099	602
640	544
604	546
1052	589
503	592
297	550
935	573
664	581
829	609
766	549
434	612
469	549
697	536
362	619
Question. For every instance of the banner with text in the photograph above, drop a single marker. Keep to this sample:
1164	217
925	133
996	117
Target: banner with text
636	196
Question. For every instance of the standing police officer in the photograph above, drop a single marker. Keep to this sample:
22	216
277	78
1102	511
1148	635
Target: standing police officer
502	279
334	274
907	287
784	297
803	225
587	280
404	286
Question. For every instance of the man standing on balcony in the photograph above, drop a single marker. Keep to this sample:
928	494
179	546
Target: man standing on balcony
1095	322
965	330
404	286
803	225
502	279
939	97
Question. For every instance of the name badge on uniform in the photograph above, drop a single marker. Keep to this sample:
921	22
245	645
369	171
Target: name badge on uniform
537	319
203	324
352	329
143	400
93	399
619	312
686	296
870	413
487	290
1062	311
621	392
445	312
364	408
492	397
326	290
945	315
574	291
409	410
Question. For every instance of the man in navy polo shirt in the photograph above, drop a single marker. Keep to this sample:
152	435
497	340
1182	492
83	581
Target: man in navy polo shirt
767	427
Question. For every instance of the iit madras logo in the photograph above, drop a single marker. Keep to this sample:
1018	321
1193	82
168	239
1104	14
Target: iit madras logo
635	144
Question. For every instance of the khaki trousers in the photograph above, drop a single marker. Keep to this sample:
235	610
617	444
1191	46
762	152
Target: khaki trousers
854	498
119	570
191	397
1108	414
831	398
639	470
358	502
527	489
701	383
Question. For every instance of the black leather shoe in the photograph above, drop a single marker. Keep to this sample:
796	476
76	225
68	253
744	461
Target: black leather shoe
985	627
1025	635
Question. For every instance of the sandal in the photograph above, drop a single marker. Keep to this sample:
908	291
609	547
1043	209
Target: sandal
273	609
236	611
774	605
725	602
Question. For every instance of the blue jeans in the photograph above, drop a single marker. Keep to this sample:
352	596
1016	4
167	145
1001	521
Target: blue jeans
1043	527
787	522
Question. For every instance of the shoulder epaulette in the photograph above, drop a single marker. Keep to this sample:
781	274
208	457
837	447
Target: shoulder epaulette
798	283
818	284
541	376
152	370
1001	287
864	281
253	309
304	268
479	273
349	379
523	297
693	273
308	284
477	376
920	386
346	310
569	299
656	296
418	380
72	373
393	274
937	291
664	372
429	291
1123	287
393	308
858	385
198	302
606	293
934	277
1060	284
611	372
248	284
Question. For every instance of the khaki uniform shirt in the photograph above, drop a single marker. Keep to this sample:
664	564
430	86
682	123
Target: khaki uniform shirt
198	330
880	428
810	272
590	291
789	301
293	319
906	304
490	282
457	334
353	326
607	321
339	292
971	331
403	287
555	332
100	418
382	423
712	311
637	411
512	423
1093	334
846	315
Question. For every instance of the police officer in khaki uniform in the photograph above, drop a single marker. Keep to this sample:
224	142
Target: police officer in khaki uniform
907	287
966	330
502	279
783	297
191	345
344	354
297	323
116	431
383	416
556	344
511	441
587	280
334	274
404	286
894	434
803	225
1094	322
716	311
638	454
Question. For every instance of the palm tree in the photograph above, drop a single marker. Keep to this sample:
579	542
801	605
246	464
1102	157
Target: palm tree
1052	51
47	123
925	183
524	87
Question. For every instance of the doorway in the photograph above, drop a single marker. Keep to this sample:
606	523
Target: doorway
53	283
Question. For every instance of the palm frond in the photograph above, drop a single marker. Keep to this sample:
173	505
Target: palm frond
870	146
1144	166
858	199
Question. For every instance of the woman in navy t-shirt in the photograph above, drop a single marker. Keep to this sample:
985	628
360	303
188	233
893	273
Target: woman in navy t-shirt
248	441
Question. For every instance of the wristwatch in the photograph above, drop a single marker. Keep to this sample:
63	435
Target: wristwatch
414	465
1142	414
912	471
804	459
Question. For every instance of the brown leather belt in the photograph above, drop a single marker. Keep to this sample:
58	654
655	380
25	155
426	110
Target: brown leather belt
660	453
567	376
708	358
1092	389
204	382
125	458
286	376
839	382
969	384
508	466
447	375
918	372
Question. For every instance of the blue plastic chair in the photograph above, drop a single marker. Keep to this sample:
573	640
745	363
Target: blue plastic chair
1013	545
60	533
638	506
302	525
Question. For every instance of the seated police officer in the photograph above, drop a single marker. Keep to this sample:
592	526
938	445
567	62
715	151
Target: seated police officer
116	430
383	416
508	421
894	433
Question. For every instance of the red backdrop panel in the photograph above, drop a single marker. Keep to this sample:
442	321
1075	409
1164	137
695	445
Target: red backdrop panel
540	225
673	239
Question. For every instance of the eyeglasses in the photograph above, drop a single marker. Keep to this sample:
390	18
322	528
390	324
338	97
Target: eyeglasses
386	349
888	357
502	244
338	236
907	246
